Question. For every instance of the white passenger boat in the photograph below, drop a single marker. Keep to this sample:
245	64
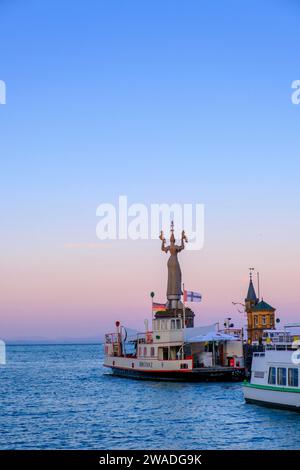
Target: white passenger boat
171	352
275	372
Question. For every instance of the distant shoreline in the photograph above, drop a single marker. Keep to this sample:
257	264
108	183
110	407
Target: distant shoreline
54	344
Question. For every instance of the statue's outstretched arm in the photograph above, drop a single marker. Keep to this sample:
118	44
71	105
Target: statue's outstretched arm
183	239
163	243
180	247
165	248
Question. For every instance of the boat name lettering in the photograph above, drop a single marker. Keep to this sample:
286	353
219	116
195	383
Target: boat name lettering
145	364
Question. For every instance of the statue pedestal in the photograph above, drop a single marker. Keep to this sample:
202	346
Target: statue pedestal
177	313
174	304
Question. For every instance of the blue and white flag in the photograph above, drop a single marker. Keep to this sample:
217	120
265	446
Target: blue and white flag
190	296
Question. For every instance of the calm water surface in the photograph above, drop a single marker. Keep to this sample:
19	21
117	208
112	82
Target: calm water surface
61	397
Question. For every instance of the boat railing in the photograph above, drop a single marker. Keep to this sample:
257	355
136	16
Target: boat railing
111	338
236	332
145	338
279	339
280	347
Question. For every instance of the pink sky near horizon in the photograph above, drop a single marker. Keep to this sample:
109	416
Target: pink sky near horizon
80	292
190	104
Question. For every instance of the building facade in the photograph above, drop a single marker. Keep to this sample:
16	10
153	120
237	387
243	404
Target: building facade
260	315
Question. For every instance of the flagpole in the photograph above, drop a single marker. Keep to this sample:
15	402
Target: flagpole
152	297
183	308
183	303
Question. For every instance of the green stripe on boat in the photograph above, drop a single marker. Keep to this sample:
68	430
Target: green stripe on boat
275	389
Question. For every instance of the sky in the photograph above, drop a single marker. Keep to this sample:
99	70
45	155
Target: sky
161	101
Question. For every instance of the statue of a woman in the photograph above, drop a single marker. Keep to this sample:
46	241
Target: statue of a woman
174	272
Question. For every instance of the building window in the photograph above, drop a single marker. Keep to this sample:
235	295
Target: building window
255	320
152	352
272	376
293	377
263	318
281	376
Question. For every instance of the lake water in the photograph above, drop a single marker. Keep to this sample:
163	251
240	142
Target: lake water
60	397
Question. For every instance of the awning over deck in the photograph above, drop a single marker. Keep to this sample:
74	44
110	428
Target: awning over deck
206	334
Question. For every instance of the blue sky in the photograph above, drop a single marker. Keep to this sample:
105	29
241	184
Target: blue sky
160	100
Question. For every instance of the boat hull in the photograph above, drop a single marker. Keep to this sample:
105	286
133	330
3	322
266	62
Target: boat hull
195	375
272	397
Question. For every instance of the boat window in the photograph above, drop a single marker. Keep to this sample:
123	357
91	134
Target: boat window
173	326
152	352
272	376
281	376
178	323
145	351
293	377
